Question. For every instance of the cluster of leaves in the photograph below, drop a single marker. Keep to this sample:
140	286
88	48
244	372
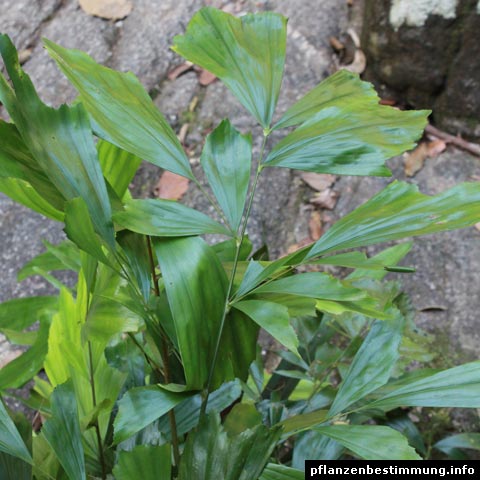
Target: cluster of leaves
149	367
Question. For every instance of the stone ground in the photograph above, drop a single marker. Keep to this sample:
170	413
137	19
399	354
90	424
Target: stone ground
445	287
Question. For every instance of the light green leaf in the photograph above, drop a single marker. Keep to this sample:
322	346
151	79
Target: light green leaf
281	472
60	140
247	54
348	135
373	363
64	256
338	90
145	462
196	287
118	166
141	406
166	218
371	442
23	368
314	285
22	192
10	440
226	159
455	387
273	318
461	440
211	452
62	431
400	211
115	100
20	313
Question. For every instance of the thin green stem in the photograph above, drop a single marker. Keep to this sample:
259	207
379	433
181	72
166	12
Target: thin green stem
226	308
164	355
96	425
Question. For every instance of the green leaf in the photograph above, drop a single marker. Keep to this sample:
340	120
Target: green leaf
273	318
80	230
281	472
166	218
371	442
187	413
226	250
196	287
313	444
455	387
461	440
338	90
314	285
242	417
145	461
344	130
408	429
18	167
226	159
64	256
20	313
211	452
60	140
247	54
115	100
62	431
303	421
118	166
400	211
10	440
22	192
141	406
23	368
373	363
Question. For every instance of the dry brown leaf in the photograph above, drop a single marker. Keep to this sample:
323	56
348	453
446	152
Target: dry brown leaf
206	78
477	226
24	55
109	9
299	245
325	199
359	63
388	101
336	44
171	186
179	69
414	160
318	181
182	134
315	225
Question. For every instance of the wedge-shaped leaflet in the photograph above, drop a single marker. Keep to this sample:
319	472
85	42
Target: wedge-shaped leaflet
273	318
10	440
166	218
213	452
118	166
226	160
23	368
62	431
455	387
147	462
196	286
121	110
372	365
60	140
247	53
281	472
315	285
371	442
20	313
141	406
22	179
463	440
400	211
338	90
344	130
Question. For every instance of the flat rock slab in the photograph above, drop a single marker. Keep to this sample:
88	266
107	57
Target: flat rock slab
448	265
